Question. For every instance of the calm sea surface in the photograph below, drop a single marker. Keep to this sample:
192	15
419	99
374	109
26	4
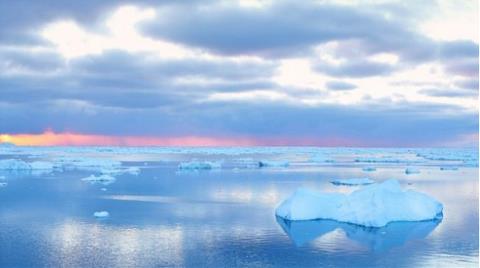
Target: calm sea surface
164	217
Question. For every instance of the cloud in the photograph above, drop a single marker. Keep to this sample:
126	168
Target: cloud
271	72
460	93
354	68
381	125
340	85
467	83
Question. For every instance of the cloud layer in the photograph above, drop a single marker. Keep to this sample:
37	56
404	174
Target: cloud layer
278	72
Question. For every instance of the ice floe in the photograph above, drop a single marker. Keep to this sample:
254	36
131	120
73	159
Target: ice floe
321	159
448	168
199	165
352	182
87	163
101	214
369	169
104	179
14	164
3	184
412	170
373	205
271	163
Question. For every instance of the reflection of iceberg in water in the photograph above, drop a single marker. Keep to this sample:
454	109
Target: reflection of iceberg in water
377	239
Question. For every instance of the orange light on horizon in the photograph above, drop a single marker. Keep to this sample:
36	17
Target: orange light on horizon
50	138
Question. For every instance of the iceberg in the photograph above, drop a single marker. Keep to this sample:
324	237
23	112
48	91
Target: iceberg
369	169
121	171
412	170
102	179
87	163
198	165
264	163
380	239
321	159
373	205
14	164
37	167
352	182
101	214
448	168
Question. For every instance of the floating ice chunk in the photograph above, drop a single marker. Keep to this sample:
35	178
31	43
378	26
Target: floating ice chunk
102	179
374	205
3	184
321	159
14	164
87	163
270	163
103	189
369	169
120	171
198	165
448	168
101	214
42	165
412	170
351	182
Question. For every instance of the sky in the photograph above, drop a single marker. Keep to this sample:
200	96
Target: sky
248	72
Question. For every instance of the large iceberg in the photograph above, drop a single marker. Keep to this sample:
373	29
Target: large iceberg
374	205
376	239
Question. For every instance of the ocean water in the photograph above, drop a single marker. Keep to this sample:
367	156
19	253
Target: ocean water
224	217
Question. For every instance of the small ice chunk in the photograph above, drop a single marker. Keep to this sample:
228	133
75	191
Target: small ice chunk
321	159
369	169
121	171
101	214
448	168
199	165
373	205
353	181
103	179
3	184
103	189
412	170
270	163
